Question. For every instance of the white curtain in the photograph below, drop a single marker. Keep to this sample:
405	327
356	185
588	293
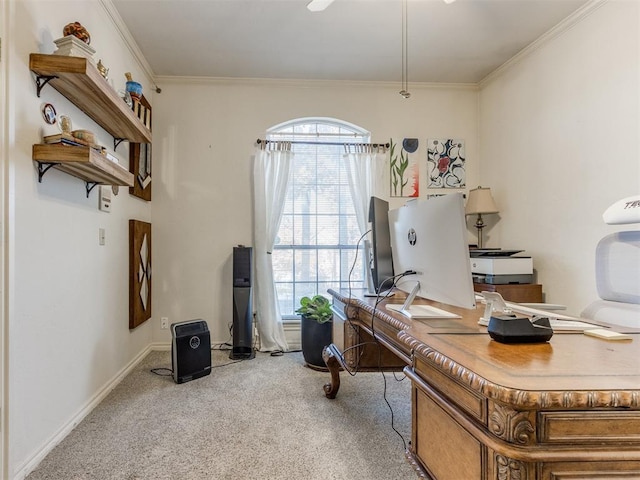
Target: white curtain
271	173
361	161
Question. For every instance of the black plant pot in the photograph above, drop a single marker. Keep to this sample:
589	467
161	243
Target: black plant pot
315	336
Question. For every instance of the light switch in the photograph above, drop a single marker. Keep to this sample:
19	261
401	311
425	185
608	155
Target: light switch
105	198
101	236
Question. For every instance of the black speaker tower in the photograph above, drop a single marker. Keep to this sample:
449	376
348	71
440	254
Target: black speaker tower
242	306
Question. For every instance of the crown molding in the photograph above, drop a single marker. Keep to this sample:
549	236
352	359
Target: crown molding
128	39
564	26
305	83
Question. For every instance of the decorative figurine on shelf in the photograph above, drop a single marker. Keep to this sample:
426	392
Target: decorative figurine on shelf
64	122
77	30
104	71
126	97
75	42
134	88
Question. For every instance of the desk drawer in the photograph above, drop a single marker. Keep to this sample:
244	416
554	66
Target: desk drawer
470	402
598	427
443	446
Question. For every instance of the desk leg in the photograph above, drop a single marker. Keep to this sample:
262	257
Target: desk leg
333	359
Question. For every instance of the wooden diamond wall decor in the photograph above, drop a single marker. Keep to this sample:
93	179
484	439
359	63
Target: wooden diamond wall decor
139	272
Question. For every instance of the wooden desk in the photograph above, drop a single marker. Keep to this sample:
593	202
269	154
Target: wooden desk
566	409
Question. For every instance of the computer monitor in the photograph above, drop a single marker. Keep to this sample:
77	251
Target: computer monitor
380	271
429	237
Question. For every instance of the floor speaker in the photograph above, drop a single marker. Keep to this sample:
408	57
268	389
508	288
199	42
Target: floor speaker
242	333
190	350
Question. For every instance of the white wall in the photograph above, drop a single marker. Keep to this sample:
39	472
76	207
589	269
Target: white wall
204	137
560	142
67	296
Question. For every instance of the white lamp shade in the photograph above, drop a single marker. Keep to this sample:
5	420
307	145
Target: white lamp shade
480	201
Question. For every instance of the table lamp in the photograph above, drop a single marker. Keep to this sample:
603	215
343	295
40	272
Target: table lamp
480	201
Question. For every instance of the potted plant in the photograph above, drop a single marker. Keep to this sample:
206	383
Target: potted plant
316	328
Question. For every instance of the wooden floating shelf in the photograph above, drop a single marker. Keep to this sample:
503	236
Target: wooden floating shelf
84	163
80	81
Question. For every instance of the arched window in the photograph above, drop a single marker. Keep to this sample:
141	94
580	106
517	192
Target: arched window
316	245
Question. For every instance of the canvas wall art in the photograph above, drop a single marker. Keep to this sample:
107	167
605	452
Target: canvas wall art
446	163
404	168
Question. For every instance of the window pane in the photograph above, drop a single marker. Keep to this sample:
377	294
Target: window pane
304	198
304	230
306	265
328	229
328	264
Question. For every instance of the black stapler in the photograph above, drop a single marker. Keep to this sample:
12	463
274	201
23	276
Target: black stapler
510	328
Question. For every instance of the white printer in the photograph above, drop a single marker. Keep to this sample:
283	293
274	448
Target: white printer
500	267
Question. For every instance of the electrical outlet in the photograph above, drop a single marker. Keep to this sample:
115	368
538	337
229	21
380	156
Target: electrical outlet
164	323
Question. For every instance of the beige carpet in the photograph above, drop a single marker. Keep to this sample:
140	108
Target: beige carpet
265	418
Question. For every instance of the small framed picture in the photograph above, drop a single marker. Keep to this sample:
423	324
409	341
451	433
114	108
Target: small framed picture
49	113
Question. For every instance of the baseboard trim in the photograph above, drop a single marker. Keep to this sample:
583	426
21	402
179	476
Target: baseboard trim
160	346
35	460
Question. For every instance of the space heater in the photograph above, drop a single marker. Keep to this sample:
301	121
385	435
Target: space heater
190	350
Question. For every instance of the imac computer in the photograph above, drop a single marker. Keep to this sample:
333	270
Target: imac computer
378	251
429	237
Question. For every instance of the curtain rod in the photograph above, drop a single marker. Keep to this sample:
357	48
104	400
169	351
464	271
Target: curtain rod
336	144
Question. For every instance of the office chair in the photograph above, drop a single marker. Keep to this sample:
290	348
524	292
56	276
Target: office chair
618	269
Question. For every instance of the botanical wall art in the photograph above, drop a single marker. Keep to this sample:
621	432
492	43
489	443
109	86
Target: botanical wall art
139	272
446	163
404	169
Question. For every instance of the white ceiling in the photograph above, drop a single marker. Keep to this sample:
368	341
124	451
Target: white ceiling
357	40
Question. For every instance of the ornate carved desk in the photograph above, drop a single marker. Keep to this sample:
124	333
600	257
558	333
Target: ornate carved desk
566	409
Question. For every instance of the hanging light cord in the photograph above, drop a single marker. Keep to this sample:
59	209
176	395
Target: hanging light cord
405	52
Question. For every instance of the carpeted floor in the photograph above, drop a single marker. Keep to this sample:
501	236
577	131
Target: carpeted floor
265	418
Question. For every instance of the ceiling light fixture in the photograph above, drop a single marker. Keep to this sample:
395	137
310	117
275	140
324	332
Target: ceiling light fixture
318	5
405	64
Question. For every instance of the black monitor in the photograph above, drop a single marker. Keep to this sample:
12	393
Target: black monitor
380	257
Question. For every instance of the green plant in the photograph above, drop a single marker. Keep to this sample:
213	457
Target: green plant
317	308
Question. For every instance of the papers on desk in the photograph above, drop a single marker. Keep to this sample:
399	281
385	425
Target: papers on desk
607	334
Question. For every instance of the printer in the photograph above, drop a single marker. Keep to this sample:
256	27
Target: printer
502	269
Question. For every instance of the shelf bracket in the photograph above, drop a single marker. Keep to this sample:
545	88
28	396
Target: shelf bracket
43	167
42	80
116	142
90	186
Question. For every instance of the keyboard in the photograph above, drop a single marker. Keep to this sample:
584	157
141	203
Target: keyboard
421	311
516	307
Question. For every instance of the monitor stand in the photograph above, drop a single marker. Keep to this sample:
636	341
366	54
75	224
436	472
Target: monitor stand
419	311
